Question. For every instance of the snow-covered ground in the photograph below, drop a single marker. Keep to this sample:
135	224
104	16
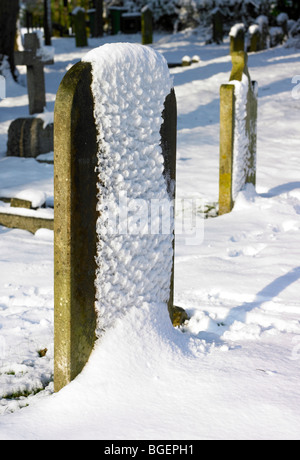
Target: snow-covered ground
233	371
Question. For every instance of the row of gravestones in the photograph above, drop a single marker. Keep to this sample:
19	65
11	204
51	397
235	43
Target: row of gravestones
28	137
117	13
259	36
82	167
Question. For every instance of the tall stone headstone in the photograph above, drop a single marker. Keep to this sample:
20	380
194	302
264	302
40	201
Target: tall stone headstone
80	27
238	119
237	38
217	25
35	62
146	25
81	153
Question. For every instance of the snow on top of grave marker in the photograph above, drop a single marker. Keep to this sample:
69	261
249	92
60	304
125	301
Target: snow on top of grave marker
130	84
235	29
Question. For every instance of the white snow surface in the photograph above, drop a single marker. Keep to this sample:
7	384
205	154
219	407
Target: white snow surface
233	371
130	85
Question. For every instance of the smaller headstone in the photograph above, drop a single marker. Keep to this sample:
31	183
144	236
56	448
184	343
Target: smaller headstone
186	61
115	14
27	137
35	60
254	38
276	36
217	26
195	59
263	23
147	26
131	23
237	38
282	21
92	20
80	27
238	117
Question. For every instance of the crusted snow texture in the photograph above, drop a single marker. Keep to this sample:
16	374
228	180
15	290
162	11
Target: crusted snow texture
241	151
130	84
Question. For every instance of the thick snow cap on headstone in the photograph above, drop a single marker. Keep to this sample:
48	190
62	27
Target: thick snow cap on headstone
236	29
129	84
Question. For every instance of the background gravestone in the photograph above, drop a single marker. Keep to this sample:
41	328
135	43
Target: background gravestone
75	210
237	38
254	38
146	25
217	25
27	137
263	23
80	27
237	162
35	63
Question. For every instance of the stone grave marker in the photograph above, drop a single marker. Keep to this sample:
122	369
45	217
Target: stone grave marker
282	20
146	25
263	23
108	145
238	118
276	35
217	26
34	60
27	137
237	38
80	27
254	38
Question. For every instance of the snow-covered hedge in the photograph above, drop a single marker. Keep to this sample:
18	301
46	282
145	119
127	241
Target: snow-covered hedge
180	14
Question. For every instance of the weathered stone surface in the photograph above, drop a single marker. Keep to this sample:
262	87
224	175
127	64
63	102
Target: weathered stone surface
27	137
31	224
179	316
75	215
226	147
20	203
168	134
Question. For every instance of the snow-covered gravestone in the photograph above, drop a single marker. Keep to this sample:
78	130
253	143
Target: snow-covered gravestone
114	181
238	119
237	38
263	24
254	38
